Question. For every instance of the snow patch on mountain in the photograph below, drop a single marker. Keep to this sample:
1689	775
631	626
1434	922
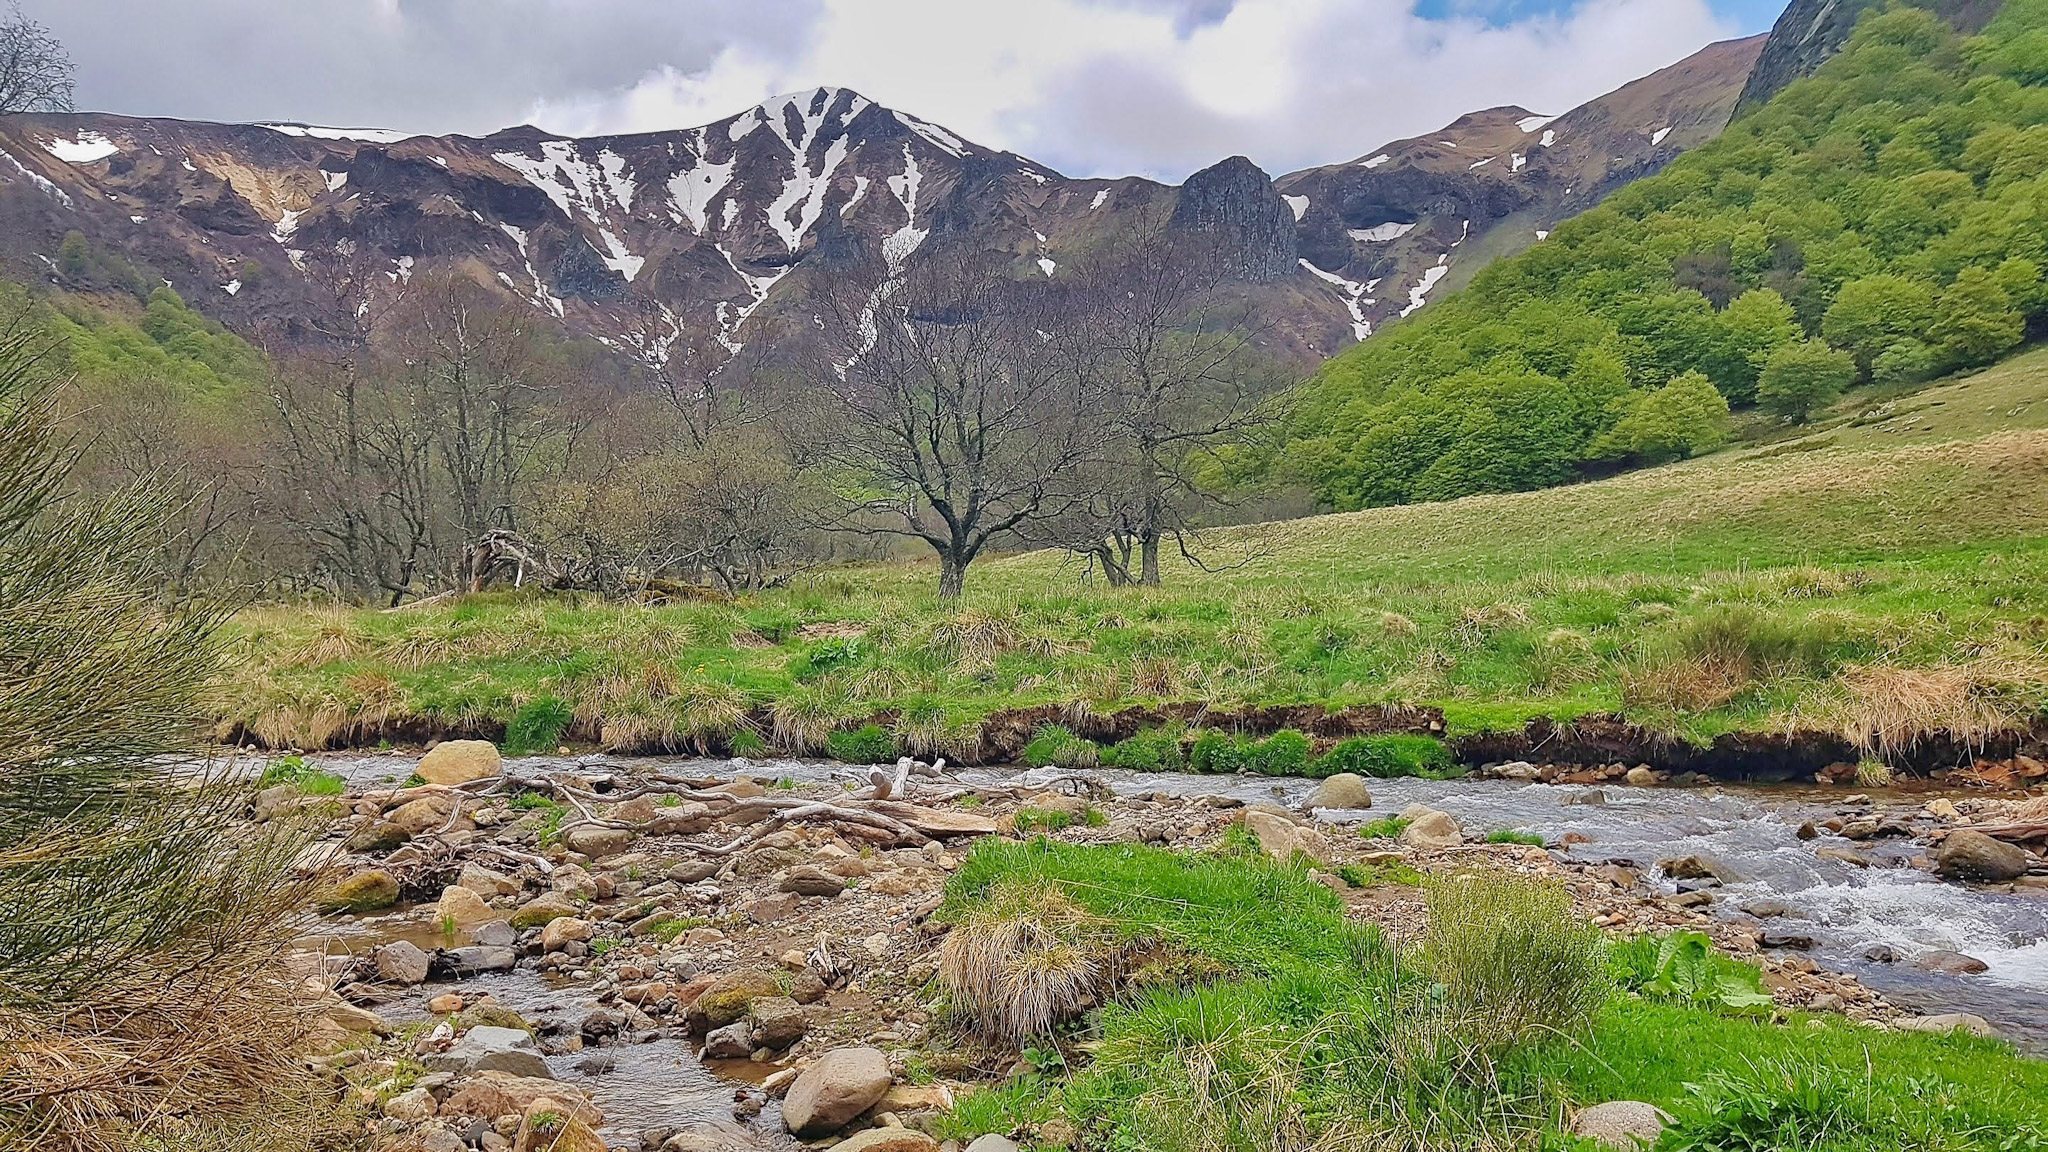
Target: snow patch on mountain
1354	298
1299	204
1381	233
1375	162
86	148
362	135
1532	123
1419	295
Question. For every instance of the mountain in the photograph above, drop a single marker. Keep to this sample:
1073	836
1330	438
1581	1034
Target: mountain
1810	31
1414	219
677	242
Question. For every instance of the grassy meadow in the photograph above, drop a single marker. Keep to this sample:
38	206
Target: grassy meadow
1882	571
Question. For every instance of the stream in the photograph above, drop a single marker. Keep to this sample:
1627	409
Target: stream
1751	831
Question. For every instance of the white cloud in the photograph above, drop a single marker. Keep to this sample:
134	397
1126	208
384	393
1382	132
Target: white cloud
1107	89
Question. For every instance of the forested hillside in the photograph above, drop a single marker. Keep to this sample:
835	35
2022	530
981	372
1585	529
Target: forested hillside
1883	220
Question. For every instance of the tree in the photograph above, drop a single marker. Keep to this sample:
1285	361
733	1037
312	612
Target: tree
1975	321
35	72
1175	366
1756	324
1872	314
1800	378
954	416
1683	418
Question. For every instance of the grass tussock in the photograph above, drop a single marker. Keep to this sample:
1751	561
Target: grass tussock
1887	710
1025	961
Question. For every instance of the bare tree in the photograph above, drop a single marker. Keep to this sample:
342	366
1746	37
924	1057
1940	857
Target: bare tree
953	407
35	71
1179	371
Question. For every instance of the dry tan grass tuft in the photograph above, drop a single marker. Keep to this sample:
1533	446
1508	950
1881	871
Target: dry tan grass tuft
1475	625
1691	684
1886	710
1024	961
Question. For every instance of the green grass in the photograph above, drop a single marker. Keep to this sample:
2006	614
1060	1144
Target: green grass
1319	1034
1903	531
1384	828
306	779
1510	836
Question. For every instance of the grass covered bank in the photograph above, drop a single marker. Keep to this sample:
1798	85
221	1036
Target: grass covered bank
1883	573
1258	1017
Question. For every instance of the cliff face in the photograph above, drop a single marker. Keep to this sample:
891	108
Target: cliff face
1811	31
1234	203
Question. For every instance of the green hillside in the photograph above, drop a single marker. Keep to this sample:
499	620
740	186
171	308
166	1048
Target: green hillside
1885	221
1790	585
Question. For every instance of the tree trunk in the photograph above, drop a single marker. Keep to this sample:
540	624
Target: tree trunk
1148	553
952	576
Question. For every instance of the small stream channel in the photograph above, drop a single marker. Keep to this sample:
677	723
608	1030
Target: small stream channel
1752	830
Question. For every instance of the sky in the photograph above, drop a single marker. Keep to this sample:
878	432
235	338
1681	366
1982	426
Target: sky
1091	87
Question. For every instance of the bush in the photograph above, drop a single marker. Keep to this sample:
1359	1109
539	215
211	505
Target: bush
1054	746
1151	750
1512	958
1386	757
1800	379
1220	753
537	726
871	744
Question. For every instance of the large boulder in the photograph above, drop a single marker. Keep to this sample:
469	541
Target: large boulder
488	1049
1283	839
460	761
1432	829
1344	790
1622	1125
1977	858
841	1085
427	814
993	1143
777	1021
563	931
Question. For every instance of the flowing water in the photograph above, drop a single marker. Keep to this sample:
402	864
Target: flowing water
1751	831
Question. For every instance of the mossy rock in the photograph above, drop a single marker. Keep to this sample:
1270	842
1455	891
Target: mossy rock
493	1016
362	892
731	996
542	910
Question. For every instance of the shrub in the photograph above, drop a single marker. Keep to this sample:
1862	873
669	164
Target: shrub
1686	967
537	726
309	781
1217	753
1151	750
870	744
1386	757
1024	960
1055	746
1284	753
1512	958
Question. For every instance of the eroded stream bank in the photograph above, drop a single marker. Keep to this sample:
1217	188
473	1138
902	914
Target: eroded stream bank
1829	903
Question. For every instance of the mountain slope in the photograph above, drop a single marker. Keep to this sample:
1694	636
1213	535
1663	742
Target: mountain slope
1416	218
1810	31
685	243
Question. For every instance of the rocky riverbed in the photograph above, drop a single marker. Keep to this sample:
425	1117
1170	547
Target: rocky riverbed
575	954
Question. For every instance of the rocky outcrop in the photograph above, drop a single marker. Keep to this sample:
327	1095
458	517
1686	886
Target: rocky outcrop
1233	205
1811	31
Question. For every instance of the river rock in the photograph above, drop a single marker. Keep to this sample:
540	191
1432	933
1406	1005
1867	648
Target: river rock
1622	1125
809	881
485	882
489	1095
548	1125
428	814
1782	938
494	934
1283	838
461	907
692	871
596	841
478	959
540	910
1975	857
777	1022
402	962
1433	829
735	1041
841	1085
1766	909
888	1140
376	836
1639	777
564	931
1946	1022
460	761
488	1049
1952	963
363	892
1343	790
993	1143
729	997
